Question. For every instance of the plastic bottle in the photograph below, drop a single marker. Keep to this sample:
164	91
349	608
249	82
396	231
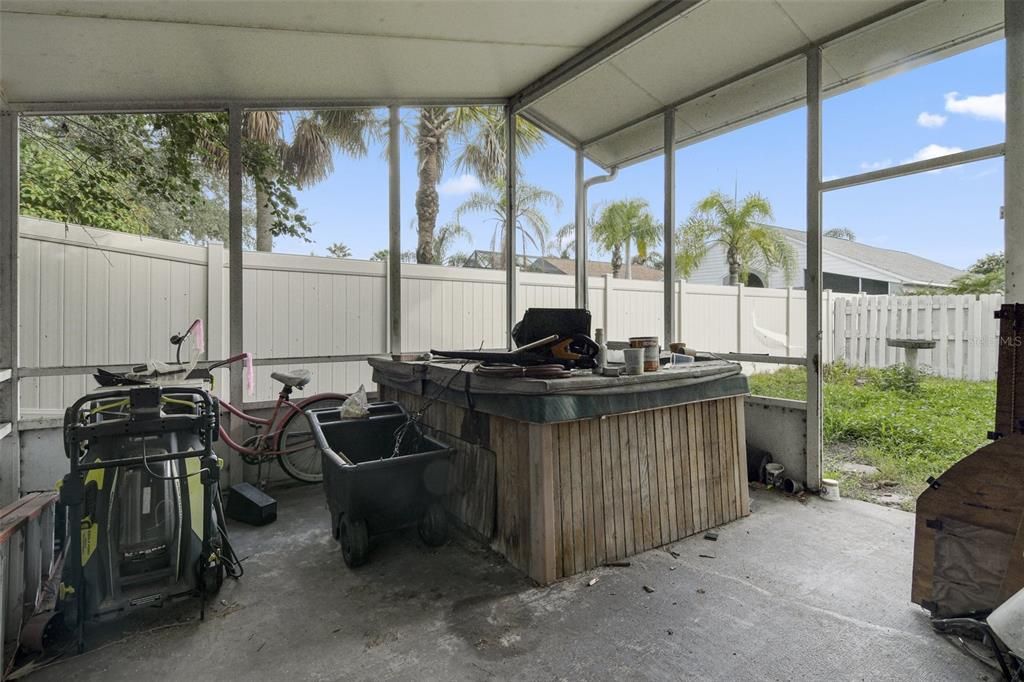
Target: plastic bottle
602	350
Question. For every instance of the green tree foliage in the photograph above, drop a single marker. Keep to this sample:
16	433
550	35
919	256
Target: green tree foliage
841	233
382	256
986	276
719	219
446	239
621	224
159	174
339	250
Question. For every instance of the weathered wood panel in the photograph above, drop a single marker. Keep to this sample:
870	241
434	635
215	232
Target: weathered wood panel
613	486
665	474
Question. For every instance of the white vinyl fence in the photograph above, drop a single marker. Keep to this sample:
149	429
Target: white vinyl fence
964	329
92	297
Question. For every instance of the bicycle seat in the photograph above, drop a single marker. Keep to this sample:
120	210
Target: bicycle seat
297	378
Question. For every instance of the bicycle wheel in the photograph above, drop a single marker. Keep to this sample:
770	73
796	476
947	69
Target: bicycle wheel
302	461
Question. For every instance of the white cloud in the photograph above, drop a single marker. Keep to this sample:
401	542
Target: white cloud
932	151
463	184
875	165
928	120
991	107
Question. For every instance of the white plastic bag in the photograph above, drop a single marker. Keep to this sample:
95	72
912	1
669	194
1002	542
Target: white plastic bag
356	406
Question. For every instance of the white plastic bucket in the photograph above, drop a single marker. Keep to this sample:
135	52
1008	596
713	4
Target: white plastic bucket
773	473
830	489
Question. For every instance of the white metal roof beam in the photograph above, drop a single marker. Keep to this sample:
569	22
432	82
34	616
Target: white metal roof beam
144	107
798	52
612	43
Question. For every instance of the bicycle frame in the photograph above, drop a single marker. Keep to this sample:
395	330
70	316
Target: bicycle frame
275	423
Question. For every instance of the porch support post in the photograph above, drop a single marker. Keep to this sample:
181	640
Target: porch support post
10	450
394	230
510	224
813	283
236	378
582	298
669	226
1013	160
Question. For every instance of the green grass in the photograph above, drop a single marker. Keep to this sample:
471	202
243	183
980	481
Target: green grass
909	428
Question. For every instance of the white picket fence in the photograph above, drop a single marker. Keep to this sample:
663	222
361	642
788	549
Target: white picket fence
964	328
92	297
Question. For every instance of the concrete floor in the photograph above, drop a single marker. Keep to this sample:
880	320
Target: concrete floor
817	591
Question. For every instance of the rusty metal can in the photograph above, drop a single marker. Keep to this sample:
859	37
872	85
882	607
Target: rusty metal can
652	351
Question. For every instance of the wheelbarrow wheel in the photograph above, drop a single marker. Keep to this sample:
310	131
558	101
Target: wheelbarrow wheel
355	541
434	525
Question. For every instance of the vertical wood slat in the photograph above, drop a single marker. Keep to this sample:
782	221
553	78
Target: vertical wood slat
578	522
625	484
645	482
542	554
636	491
565	481
597	482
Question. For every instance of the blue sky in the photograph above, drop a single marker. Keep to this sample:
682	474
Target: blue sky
951	216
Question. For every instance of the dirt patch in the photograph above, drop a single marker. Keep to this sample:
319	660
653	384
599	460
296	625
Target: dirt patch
861	480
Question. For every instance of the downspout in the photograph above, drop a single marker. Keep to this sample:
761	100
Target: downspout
581	227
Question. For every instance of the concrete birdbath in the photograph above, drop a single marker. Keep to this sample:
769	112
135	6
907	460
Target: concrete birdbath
910	348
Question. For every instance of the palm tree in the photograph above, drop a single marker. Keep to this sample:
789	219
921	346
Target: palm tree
339	250
308	158
531	223
622	223
564	242
719	219
445	240
481	133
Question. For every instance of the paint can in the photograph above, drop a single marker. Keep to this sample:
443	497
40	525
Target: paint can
634	360
652	351
792	487
773	473
830	489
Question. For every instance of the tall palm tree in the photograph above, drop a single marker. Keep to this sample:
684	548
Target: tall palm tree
308	157
530	222
719	219
480	132
622	223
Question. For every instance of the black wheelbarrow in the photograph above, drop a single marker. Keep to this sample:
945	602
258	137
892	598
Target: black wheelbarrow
374	487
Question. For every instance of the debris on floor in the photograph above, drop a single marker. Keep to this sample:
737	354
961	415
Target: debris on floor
618	564
711	535
592	582
648	589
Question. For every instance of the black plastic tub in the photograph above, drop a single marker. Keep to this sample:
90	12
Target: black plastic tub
371	486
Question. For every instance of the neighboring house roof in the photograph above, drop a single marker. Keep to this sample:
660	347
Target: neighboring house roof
567	266
906	267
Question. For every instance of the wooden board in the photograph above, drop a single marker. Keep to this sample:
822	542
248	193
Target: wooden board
982	490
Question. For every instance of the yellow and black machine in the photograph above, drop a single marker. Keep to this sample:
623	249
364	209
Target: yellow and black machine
143	488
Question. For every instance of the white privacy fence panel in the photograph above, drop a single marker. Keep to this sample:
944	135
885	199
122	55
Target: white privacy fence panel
98	297
964	329
95	297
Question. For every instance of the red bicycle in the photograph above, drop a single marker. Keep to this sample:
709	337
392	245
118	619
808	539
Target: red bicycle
285	434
